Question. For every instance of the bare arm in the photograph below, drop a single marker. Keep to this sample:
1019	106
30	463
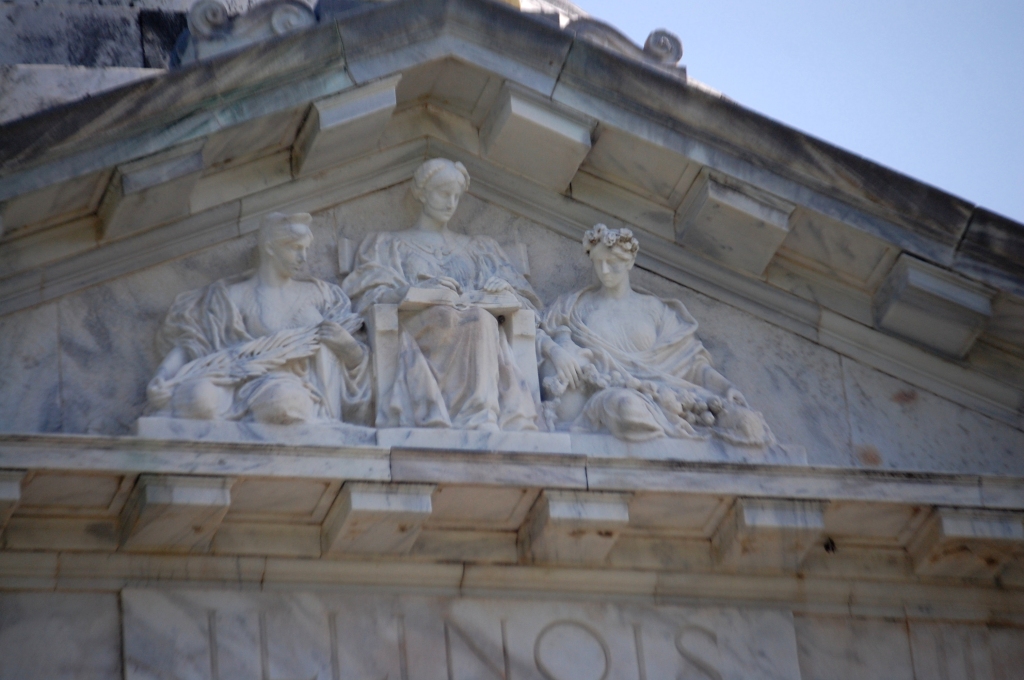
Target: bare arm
341	342
719	384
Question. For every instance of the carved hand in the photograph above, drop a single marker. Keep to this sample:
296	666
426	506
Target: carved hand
158	392
568	367
446	282
341	342
496	284
733	396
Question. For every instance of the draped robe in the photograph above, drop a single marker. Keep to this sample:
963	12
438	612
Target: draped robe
657	374
247	365
456	368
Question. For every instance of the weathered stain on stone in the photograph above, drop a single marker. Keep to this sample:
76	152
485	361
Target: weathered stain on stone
73	35
905	397
869	454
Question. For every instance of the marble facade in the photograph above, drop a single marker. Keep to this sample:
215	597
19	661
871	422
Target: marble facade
798	447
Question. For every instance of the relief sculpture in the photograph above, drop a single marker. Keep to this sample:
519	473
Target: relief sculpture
626	362
456	368
270	346
275	346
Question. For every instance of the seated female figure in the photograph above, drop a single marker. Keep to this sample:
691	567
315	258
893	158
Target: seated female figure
456	368
629	363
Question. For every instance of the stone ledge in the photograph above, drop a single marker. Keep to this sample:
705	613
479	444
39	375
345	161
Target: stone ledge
689	450
227	431
101	453
90	572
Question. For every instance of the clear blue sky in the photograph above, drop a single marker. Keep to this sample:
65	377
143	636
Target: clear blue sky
931	88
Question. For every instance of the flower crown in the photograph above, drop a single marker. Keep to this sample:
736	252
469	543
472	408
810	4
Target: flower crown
612	238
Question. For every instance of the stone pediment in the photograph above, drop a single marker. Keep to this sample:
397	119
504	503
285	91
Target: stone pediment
791	451
557	133
556	128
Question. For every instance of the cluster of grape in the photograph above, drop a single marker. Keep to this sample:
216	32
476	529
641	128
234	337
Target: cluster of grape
690	407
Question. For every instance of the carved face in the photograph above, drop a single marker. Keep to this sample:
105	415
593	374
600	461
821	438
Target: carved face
441	197
289	255
611	265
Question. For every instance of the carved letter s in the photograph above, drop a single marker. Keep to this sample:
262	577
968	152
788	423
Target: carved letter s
705	666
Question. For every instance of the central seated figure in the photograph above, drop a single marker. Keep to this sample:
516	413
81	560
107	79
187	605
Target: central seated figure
456	367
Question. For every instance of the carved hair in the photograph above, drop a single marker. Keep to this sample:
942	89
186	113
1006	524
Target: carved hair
432	169
280	227
622	239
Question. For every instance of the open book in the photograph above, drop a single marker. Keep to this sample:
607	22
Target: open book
502	303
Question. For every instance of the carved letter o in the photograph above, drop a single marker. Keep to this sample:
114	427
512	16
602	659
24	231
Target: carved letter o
545	670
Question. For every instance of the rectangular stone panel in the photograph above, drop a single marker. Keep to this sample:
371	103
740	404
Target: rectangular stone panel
59	636
208	635
840	648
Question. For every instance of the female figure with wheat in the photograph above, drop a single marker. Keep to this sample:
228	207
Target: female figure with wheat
272	346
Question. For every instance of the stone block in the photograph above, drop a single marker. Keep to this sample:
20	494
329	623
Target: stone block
10	495
522	338
932	306
731	223
535	137
174	514
840	648
151	191
344	126
573	526
64	200
967	543
837	249
623	203
768	535
376	518
382	330
636	161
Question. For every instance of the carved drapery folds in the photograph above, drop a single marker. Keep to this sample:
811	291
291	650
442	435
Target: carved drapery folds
269	346
435	336
629	363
